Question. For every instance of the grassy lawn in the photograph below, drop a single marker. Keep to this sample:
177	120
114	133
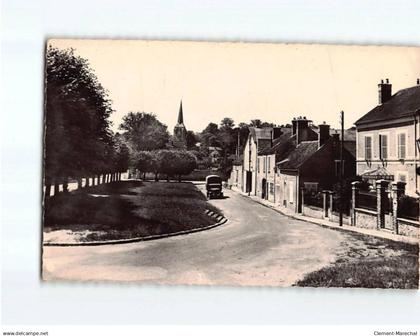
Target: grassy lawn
126	209
370	262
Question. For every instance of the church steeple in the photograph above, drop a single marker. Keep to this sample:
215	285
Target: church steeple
180	115
180	131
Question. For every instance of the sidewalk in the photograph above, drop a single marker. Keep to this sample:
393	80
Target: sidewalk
331	225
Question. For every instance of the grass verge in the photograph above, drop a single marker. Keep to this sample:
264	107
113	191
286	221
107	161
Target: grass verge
370	262
127	209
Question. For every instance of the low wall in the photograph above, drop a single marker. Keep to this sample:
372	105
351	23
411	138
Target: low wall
407	227
312	212
365	218
335	217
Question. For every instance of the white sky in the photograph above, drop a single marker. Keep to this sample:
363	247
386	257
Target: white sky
244	81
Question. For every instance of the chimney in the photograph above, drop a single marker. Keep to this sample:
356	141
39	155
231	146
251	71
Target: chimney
418	81
324	133
302	129
276	132
294	122
385	91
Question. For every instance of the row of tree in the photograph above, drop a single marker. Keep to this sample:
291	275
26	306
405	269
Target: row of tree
78	140
168	162
229	138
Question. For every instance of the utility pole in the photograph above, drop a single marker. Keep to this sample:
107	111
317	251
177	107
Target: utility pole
237	146
341	167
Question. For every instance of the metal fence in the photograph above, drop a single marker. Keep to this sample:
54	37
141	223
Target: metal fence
408	207
367	200
336	205
315	200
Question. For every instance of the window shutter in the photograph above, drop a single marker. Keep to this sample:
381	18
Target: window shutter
401	146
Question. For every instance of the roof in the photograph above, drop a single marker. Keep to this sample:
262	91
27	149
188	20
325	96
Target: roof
260	133
299	155
378	173
281	143
404	103
350	146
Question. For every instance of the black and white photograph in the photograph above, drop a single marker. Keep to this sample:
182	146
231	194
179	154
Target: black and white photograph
231	164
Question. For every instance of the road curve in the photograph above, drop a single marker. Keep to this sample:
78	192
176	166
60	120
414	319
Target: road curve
257	246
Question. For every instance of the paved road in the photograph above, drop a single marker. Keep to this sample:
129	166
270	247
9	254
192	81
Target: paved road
257	246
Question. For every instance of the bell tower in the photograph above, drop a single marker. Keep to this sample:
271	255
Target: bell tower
180	131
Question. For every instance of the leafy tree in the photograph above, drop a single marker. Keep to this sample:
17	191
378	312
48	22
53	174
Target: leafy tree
144	131
143	162
255	123
77	110
191	140
227	123
186	162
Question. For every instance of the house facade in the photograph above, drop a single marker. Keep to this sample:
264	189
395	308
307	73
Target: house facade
302	158
258	140
388	138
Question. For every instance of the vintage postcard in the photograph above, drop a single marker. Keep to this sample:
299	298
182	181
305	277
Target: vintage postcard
253	164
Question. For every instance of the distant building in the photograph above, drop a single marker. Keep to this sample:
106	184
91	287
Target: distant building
278	163
258	139
215	156
179	139
388	138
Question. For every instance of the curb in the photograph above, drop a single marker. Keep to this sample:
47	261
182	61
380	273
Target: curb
402	239
220	220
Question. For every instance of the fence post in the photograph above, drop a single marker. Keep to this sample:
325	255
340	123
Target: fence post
397	190
381	186
330	208
354	195
302	194
325	202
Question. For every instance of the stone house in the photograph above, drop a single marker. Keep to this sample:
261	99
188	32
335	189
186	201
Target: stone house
388	138
258	139
302	158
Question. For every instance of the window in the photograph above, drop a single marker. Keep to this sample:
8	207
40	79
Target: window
383	146
401	138
368	148
271	188
311	186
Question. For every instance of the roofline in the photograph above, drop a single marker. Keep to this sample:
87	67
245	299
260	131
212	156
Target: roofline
384	122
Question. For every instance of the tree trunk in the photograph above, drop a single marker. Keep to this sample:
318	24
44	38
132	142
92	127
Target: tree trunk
144	176
179	178
56	187
79	183
87	185
156	177
47	189
65	186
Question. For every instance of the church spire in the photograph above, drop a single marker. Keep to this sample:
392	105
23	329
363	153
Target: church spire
180	114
